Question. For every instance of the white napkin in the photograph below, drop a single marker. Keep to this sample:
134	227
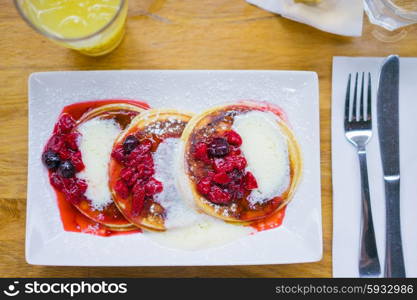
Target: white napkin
343	17
345	169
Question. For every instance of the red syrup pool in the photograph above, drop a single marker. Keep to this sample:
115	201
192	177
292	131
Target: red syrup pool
273	221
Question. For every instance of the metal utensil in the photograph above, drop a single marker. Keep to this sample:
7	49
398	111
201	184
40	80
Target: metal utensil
388	131
358	131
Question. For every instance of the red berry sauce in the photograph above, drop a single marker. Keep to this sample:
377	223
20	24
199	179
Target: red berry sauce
229	181
216	165
136	175
132	170
75	211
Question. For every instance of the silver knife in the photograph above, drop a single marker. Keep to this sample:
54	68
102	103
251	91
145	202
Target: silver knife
389	142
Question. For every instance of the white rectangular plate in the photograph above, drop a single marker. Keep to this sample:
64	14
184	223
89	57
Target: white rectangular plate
298	240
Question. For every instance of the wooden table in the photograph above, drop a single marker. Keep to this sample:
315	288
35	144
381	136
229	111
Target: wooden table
168	34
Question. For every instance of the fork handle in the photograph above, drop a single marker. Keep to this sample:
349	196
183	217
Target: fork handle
369	261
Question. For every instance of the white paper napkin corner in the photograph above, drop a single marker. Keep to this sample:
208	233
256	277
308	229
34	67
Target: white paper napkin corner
345	169
342	17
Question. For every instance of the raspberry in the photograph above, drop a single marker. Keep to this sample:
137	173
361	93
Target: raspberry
204	186
55	143
233	138
56	181
148	171
236	191
71	140
74	190
236	176
147	160
68	182
140	169
222	165
200	152
77	161
65	153
145	171
133	179
118	154
219	196
133	163
65	124
250	181
141	150
221	178
153	187
138	187
138	199
82	185
126	174
238	162
235	151
121	189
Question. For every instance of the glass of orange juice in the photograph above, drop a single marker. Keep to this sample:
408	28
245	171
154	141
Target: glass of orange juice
92	27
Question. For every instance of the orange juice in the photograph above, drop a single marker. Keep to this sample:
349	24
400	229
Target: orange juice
93	27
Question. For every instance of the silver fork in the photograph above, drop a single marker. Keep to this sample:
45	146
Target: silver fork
358	131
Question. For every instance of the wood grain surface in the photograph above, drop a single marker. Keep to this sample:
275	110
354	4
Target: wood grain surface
168	34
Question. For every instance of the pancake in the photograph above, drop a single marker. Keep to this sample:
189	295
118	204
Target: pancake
132	171
240	162
95	124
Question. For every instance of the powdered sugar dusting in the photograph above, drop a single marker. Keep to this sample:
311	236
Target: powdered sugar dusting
171	125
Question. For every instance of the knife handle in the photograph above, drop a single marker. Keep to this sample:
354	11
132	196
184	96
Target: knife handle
394	259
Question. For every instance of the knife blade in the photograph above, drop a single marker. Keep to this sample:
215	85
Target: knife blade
389	142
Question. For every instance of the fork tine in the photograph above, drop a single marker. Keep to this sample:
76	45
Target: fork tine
362	115
347	100
369	103
355	96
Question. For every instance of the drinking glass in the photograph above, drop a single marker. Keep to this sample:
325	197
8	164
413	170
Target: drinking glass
92	27
394	18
